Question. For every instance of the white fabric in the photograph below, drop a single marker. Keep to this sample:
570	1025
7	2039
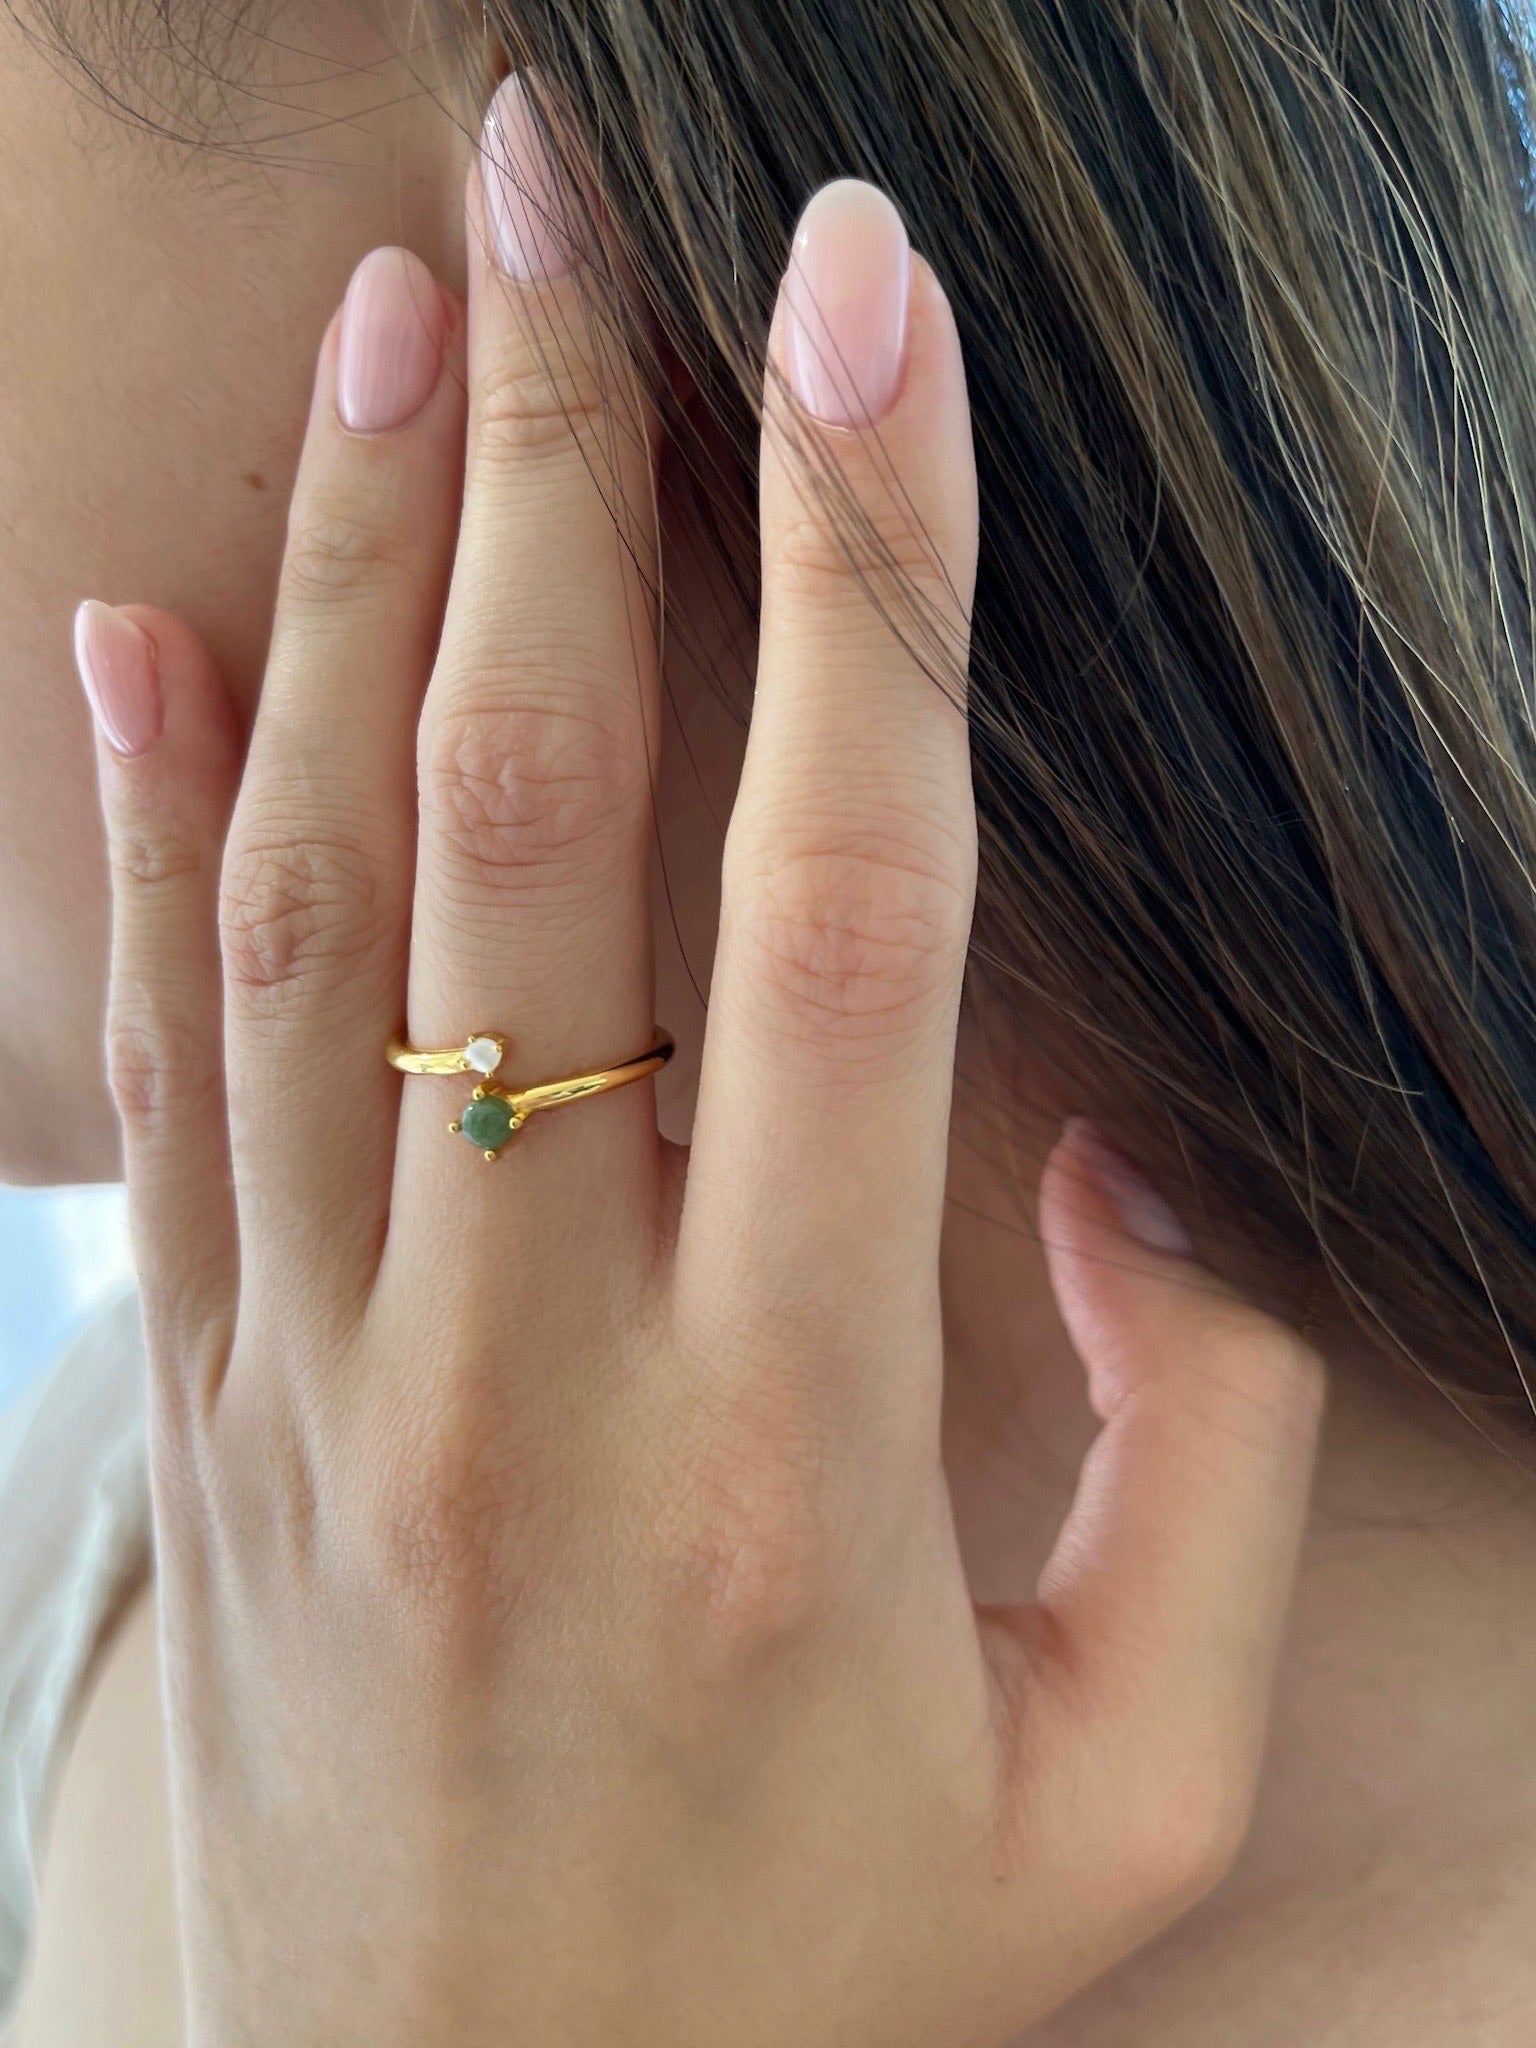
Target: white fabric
74	1533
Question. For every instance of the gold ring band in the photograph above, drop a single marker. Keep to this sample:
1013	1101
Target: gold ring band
494	1114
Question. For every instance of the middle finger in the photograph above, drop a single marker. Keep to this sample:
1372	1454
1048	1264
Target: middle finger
536	741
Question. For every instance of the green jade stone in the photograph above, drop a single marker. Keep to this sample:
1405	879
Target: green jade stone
487	1123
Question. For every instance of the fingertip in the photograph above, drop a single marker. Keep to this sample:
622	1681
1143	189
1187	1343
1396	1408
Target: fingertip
118	669
329	351
172	637
394	330
935	335
851	352
868	479
197	712
181	653
845	306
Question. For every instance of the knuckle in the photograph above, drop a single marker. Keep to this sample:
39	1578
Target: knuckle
540	395
340	552
295	911
858	942
745	1566
440	1526
458	1521
157	1064
147	854
517	794
831	544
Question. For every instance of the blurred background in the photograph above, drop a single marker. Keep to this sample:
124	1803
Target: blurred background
63	1254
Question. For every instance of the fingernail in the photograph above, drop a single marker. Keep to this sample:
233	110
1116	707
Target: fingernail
393	326
534	234
845	305
122	684
1143	1213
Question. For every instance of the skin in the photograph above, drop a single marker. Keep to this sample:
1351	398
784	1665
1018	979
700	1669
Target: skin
1410	1515
165	471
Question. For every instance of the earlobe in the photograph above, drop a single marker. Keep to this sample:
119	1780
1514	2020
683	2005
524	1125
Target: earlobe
1176	1561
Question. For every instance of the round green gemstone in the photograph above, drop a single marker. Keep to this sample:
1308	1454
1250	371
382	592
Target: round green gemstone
488	1123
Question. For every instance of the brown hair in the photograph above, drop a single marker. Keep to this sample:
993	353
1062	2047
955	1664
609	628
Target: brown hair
1246	294
1248	300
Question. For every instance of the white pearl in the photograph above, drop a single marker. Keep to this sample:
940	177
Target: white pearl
483	1055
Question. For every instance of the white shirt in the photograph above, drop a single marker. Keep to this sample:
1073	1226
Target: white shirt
74	1535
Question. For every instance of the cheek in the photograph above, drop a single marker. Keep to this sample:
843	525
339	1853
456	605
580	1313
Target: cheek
161	313
126	472
158	327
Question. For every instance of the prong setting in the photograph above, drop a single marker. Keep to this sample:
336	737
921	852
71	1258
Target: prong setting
484	1052
489	1121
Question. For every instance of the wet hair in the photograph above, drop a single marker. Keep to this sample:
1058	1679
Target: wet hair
1248	302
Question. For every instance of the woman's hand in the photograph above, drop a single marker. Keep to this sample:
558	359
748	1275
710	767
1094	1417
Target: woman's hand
565	1632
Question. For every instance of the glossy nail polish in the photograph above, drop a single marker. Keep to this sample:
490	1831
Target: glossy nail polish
534	234
845	305
120	675
393	326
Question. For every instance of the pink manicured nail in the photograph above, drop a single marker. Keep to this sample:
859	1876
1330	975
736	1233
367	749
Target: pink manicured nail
845	305
534	233
118	668
393	326
1142	1211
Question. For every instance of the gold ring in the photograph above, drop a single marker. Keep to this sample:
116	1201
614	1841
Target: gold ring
494	1114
